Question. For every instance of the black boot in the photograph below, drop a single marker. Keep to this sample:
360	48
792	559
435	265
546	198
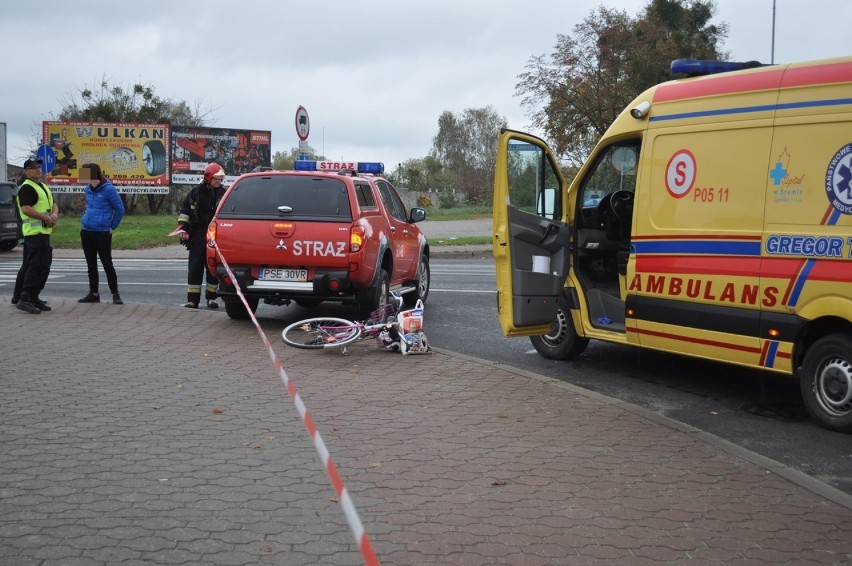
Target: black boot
192	300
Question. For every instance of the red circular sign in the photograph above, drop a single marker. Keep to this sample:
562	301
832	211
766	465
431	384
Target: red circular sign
680	173
303	123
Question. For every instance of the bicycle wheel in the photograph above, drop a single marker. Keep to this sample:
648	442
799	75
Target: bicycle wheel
315	333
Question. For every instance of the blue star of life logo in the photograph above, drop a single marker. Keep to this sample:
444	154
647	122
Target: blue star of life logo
838	180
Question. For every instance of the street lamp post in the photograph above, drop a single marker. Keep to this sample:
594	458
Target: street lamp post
773	33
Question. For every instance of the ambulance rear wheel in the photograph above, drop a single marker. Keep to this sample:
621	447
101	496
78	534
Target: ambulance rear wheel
562	343
826	381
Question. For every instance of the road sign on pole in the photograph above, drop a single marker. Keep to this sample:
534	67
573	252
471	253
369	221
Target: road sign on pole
303	123
47	156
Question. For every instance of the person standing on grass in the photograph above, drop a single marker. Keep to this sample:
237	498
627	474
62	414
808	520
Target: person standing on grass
39	214
104	211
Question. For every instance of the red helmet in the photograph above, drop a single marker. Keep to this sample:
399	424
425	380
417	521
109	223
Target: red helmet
213	170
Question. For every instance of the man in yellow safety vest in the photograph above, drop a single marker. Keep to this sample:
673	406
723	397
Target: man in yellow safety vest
38	213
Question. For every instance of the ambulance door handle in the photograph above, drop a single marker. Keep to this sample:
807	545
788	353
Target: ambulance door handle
551	229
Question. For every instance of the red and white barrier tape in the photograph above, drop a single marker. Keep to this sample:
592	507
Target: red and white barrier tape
349	510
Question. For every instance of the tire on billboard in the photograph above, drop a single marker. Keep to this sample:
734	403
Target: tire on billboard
154	157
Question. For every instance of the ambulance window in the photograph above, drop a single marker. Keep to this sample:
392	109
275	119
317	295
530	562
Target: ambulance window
533	181
614	170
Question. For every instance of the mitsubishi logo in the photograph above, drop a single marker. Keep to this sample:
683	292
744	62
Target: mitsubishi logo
281	245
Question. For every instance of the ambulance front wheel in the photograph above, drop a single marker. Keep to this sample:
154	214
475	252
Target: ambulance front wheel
562	343
826	381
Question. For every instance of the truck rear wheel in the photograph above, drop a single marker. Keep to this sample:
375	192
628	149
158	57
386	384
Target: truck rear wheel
374	297
562	343
237	310
826	381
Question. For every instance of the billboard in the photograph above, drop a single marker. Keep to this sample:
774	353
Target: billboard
237	151
133	156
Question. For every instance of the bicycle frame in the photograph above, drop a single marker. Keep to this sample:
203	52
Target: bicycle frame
332	332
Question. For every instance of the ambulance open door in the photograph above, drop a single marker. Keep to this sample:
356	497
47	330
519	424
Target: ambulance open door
531	239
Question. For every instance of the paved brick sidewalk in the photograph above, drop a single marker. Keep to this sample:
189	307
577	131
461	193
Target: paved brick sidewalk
146	434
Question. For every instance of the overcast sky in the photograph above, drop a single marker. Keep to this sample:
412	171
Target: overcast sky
374	75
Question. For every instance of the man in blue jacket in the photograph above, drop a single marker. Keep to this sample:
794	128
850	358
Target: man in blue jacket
104	211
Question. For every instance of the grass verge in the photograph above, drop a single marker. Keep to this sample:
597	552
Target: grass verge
137	232
144	231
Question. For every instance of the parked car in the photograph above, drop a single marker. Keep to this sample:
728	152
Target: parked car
9	217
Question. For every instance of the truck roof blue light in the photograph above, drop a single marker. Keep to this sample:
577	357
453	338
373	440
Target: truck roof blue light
699	67
370	167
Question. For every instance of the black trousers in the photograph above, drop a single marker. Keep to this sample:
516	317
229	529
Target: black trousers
197	269
35	267
99	245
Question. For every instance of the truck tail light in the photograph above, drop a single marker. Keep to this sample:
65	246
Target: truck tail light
356	239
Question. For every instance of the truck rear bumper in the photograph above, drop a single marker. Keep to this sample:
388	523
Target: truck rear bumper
326	284
307	287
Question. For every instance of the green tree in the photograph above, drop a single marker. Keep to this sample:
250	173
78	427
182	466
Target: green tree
466	148
423	175
283	161
137	103
575	93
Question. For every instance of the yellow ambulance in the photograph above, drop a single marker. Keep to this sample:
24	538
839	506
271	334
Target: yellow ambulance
713	219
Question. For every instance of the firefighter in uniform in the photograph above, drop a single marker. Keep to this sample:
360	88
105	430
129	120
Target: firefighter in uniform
196	212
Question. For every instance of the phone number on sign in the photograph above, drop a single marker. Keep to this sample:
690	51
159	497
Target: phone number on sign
125	190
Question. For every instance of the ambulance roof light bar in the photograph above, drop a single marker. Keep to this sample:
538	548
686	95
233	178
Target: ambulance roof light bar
701	67
368	167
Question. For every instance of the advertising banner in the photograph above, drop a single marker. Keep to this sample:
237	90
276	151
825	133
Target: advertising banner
133	156
237	151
